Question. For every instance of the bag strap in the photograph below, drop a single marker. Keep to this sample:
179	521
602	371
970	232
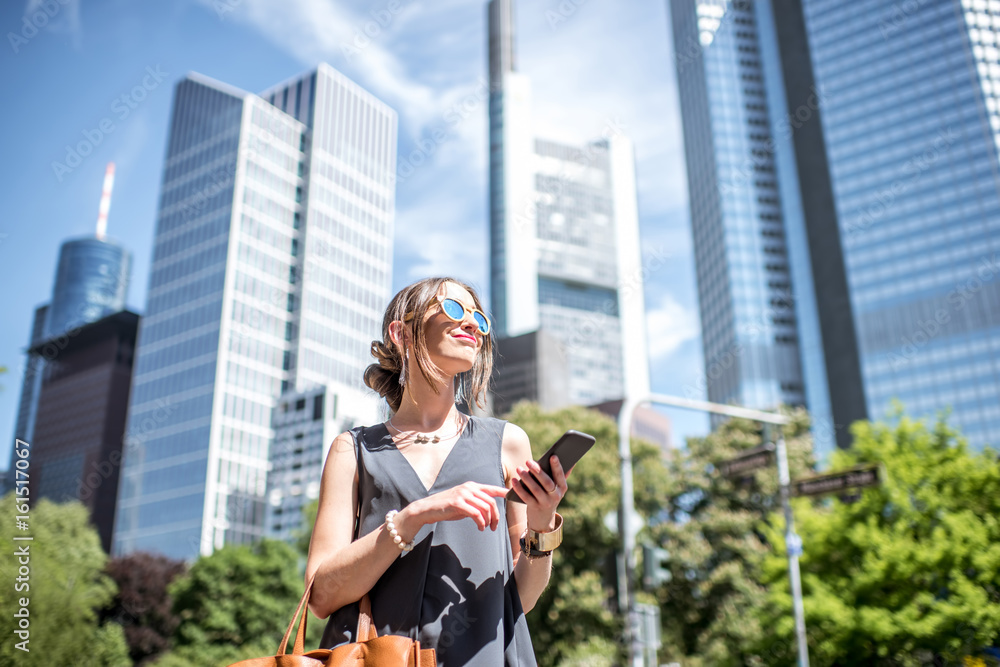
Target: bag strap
300	635
366	626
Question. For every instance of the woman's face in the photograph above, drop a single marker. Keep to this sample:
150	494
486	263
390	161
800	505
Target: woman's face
453	346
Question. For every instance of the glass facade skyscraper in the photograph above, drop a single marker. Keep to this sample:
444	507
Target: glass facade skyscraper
91	283
884	126
564	236
776	324
749	329
271	265
911	113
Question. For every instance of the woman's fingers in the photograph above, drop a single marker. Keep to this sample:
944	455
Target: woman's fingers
547	483
559	477
481	497
528	481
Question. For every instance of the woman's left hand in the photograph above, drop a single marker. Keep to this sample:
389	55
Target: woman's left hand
541	497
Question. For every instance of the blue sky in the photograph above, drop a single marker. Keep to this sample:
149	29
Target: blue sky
591	62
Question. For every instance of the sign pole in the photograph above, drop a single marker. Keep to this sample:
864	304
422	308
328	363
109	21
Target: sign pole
793	545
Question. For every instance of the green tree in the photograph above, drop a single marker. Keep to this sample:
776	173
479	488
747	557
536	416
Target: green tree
908	574
236	604
710	608
575	622
309	513
142	606
65	588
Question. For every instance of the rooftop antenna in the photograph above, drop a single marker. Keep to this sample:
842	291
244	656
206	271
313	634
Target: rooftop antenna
102	217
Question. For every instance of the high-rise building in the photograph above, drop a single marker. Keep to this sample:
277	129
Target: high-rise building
777	326
305	425
91	283
911	114
879	179
79	431
530	367
271	266
564	236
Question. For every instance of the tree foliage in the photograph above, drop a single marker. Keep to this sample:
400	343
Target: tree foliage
908	574
142	606
66	587
710	608
575	622
236	604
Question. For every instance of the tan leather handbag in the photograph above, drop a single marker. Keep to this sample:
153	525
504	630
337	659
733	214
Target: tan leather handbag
372	650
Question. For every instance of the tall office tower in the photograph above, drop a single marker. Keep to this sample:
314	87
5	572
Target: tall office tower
91	283
271	264
760	223
564	236
305	425
27	405
78	436
911	114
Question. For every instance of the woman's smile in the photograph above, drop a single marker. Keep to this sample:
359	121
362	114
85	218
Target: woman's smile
464	336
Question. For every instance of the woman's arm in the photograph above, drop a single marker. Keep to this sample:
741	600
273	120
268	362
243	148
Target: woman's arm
346	570
532	576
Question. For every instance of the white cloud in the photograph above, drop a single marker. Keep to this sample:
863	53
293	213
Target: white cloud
668	326
61	17
351	40
606	61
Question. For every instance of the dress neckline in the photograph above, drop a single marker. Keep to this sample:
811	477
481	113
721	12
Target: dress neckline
427	489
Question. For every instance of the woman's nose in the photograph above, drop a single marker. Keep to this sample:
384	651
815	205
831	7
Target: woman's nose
469	323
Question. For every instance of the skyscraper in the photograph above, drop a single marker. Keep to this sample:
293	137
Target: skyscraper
79	428
91	283
564	236
911	115
271	264
876	130
760	223
305	425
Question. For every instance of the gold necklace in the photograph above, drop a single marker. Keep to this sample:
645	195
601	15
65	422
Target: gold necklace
423	437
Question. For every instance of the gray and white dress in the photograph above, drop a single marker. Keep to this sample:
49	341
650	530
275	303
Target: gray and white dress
455	592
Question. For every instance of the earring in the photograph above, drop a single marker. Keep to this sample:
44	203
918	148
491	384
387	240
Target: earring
402	373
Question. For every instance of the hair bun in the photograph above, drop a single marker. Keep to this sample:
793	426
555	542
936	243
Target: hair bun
386	356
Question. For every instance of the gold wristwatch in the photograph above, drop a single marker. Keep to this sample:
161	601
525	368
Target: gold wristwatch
539	545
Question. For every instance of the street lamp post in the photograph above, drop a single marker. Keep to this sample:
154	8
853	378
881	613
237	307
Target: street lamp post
626	522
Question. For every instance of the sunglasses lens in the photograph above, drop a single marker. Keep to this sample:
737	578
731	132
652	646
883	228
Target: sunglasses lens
453	309
484	325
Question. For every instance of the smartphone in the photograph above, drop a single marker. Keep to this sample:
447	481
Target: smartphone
570	448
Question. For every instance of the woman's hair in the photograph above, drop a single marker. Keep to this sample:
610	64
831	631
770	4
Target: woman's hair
383	376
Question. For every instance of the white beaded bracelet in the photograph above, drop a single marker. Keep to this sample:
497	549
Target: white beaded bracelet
389	516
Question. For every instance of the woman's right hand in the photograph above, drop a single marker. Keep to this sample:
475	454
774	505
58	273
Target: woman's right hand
468	500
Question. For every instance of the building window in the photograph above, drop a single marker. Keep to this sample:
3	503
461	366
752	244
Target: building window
318	408
300	404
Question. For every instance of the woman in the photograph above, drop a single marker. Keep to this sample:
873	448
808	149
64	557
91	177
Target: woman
439	549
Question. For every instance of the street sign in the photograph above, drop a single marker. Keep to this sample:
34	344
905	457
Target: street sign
860	476
754	459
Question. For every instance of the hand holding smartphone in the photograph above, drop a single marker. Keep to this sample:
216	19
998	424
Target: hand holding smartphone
570	448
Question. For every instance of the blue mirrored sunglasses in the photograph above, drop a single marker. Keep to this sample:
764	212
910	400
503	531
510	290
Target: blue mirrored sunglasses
456	310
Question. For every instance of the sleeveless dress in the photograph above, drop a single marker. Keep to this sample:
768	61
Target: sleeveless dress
455	592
